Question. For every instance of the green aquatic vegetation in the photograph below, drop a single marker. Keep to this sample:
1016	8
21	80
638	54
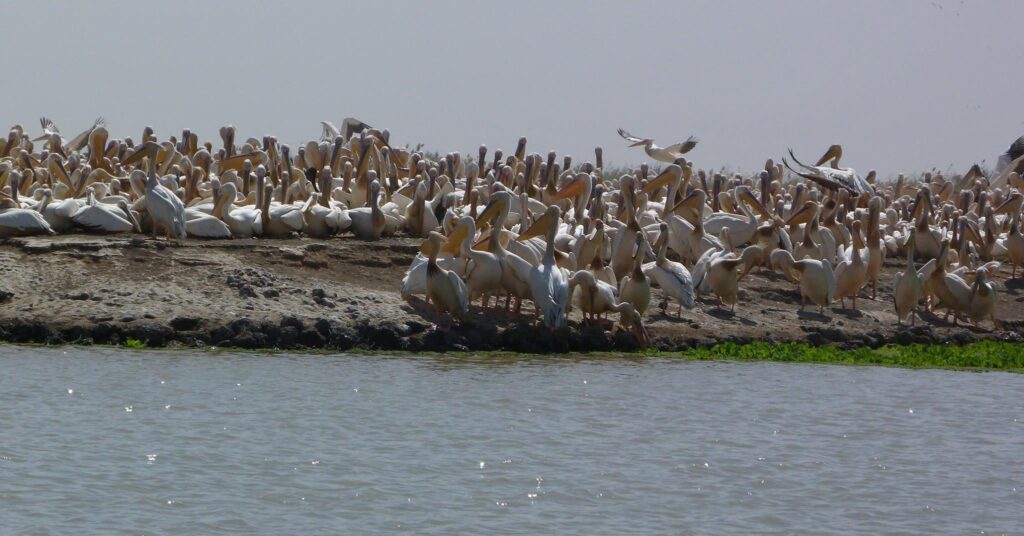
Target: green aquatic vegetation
983	355
133	343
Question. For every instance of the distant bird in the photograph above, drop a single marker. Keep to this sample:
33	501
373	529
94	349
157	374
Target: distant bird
662	154
832	176
350	126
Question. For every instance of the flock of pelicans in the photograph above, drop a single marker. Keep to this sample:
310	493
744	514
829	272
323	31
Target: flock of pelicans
526	226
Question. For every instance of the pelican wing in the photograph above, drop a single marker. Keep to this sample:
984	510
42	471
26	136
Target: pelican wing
460	291
684	147
629	137
79	141
1016	149
330	131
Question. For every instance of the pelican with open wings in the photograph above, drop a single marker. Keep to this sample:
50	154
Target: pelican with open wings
831	176
662	154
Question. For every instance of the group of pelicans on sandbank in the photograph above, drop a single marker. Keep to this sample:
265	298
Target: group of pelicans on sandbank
541	229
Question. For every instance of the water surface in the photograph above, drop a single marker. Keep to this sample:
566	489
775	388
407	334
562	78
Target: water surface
111	441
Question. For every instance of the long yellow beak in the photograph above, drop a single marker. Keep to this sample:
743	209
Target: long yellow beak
754	203
490	212
571	190
803	215
670	174
539	227
455	240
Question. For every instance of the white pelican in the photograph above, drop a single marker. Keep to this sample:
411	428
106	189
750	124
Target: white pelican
983	299
280	219
671	276
634	288
1015	246
164	207
596	297
548	282
515	271
662	154
481	270
95	216
445	289
722	274
350	126
245	221
832	176
203	225
368	222
817	281
17	221
852	271
908	288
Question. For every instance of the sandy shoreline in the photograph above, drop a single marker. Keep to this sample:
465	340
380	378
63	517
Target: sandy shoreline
343	293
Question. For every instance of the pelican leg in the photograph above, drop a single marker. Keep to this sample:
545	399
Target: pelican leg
854	302
803	301
874	288
679	313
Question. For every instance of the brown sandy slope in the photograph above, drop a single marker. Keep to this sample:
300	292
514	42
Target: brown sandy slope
343	293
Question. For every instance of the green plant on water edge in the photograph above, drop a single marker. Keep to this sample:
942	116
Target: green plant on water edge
133	343
990	355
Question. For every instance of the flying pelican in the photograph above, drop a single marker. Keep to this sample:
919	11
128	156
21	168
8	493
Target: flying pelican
662	154
350	126
832	176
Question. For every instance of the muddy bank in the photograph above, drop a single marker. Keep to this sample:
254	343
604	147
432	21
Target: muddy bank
343	294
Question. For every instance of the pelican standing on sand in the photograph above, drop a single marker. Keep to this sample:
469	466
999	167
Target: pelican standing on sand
445	289
549	283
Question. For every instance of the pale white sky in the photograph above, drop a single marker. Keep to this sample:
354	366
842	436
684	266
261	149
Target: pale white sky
903	85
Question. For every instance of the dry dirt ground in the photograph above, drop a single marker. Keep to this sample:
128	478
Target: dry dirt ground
343	293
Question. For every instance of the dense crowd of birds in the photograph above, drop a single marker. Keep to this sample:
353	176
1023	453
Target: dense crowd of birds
528	227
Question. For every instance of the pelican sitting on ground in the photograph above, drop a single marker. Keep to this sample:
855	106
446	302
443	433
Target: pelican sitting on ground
368	222
16	221
548	282
661	154
445	289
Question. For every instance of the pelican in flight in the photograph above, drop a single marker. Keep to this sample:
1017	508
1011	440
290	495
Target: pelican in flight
831	176
350	126
1015	151
662	154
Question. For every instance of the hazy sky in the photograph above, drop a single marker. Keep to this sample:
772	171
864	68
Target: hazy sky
903	85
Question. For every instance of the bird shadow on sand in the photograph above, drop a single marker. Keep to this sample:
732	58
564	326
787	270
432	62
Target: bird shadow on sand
813	316
849	313
725	314
1014	286
940	321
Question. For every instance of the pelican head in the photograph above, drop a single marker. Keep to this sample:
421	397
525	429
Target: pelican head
670	175
834	153
544	224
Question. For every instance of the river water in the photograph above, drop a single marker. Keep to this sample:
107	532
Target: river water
173	442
